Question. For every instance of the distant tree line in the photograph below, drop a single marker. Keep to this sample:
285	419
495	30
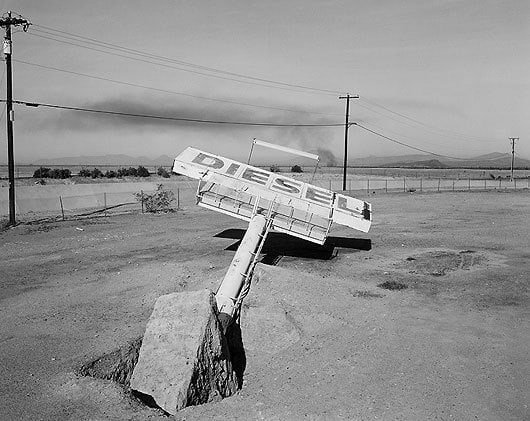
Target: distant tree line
141	171
43	172
294	168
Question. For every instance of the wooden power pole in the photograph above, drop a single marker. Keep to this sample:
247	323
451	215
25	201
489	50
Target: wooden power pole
346	128
512	139
6	22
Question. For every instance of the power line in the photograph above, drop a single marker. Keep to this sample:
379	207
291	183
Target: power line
414	139
429	126
251	80
109	45
281	85
239	123
170	91
148	57
406	145
158	117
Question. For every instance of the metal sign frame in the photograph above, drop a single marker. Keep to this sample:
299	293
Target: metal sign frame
230	180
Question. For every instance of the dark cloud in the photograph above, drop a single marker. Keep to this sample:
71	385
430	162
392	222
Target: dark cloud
171	109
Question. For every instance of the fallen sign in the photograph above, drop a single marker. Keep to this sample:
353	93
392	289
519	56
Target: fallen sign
184	358
233	188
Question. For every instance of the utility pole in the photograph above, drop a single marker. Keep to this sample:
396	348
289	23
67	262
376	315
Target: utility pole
513	139
6	22
346	127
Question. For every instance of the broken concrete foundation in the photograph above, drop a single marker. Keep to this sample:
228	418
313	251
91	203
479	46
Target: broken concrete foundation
184	359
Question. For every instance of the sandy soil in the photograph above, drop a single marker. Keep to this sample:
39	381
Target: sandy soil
322	340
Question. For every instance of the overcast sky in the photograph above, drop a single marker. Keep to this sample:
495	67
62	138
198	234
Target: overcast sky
447	76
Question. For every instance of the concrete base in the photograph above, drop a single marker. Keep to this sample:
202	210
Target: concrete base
184	358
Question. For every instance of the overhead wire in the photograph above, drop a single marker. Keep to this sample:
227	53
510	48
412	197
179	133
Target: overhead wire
293	88
239	123
407	145
386	130
105	44
425	125
170	91
99	43
161	61
182	119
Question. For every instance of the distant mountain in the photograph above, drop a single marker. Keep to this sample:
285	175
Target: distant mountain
375	161
494	155
492	160
118	159
431	163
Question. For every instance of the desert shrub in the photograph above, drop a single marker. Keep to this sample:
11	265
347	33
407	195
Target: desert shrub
41	172
111	174
124	172
84	173
159	201
142	172
60	173
162	172
296	168
96	173
274	168
44	172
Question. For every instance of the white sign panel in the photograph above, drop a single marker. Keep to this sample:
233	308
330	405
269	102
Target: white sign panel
345	210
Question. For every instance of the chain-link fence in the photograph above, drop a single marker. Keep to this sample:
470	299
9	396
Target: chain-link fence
404	184
56	202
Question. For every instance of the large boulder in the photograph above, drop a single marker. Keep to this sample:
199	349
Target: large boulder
184	359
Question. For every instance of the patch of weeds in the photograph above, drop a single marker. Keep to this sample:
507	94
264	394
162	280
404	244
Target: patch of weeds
393	285
159	201
45	228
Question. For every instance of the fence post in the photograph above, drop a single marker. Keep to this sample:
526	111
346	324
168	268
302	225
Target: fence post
453	185
485	185
368	185
404	186
62	208
386	186
142	201
439	185
421	185
469	184
515	183
105	203
500	182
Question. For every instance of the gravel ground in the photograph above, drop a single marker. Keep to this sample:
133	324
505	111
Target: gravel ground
322	339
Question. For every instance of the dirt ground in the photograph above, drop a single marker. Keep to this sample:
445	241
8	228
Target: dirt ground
322	340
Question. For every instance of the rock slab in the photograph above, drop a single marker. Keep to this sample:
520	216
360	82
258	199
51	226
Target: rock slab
184	359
